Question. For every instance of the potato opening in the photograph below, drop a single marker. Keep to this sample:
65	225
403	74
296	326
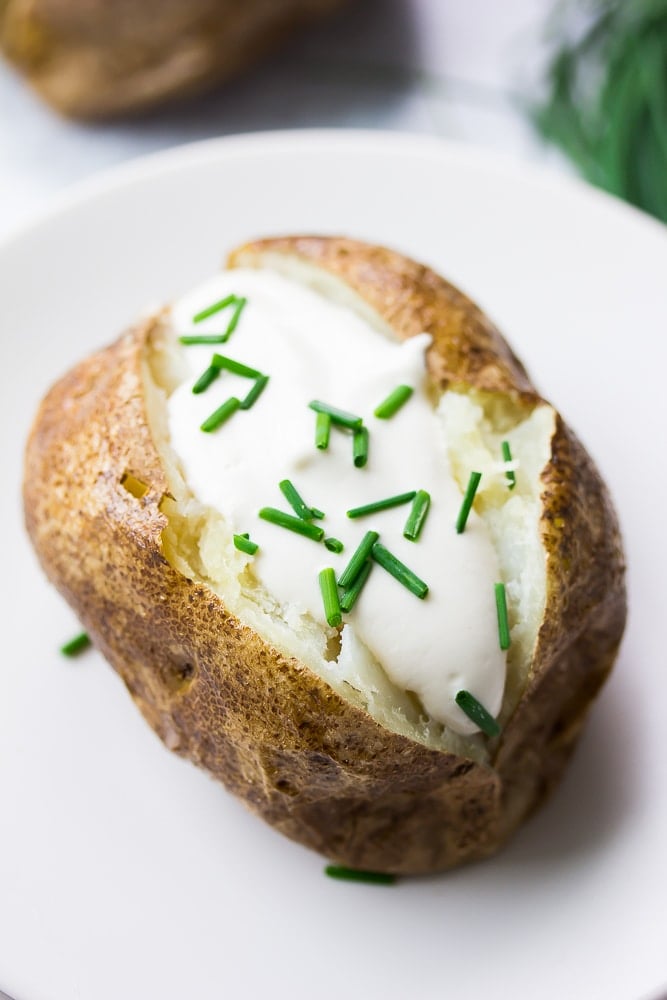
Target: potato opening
199	544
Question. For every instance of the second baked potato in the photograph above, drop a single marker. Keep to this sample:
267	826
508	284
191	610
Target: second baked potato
94	59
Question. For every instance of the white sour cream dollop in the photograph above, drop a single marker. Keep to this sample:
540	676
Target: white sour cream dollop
313	348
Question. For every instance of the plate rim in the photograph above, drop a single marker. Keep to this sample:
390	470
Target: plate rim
175	158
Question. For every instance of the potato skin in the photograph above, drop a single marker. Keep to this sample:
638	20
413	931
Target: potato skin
96	59
317	768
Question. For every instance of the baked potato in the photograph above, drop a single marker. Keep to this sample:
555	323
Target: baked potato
351	758
92	59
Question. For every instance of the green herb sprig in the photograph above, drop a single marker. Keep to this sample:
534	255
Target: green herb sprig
503	621
393	403
238	302
329	592
399	571
295	524
322	431
469	496
244	544
341	417
377	505
221	415
359	558
351	595
477	713
607	96
507	457
357	875
76	645
417	516
297	503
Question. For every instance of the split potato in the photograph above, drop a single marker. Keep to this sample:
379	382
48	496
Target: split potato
347	770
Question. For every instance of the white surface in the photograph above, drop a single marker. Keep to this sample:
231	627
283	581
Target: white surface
124	871
456	69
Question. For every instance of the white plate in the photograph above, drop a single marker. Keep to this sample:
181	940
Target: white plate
125	872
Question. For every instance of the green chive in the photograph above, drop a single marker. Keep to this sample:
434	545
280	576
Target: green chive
360	447
473	483
359	557
243	544
220	362
322	431
503	623
341	417
236	315
356	875
371	508
256	391
76	645
477	713
219	416
394	401
417	515
205	380
399	571
215	308
316	514
203	338
296	501
329	592
292	523
333	544
507	456
349	598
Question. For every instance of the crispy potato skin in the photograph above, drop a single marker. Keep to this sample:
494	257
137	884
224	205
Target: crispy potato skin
317	768
96	59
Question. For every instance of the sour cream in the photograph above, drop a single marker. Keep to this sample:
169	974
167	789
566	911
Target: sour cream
314	348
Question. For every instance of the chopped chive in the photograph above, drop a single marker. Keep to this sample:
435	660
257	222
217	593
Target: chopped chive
316	514
471	489
341	417
477	713
322	430
329	592
220	362
371	508
507	456
417	515
503	623
356	875
292	523
76	645
359	557
399	571
360	446
215	308
219	416
205	380
236	315
256	391
333	544
203	338
296	501
243	544
349	598
394	401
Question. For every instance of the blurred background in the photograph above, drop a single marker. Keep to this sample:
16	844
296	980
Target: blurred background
577	85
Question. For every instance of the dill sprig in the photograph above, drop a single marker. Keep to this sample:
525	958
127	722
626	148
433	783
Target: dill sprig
607	101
